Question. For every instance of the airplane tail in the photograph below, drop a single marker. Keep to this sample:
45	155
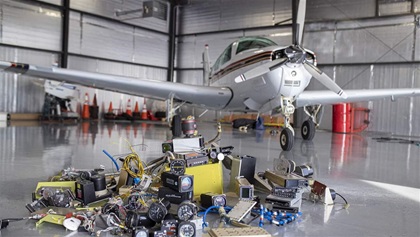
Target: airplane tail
206	66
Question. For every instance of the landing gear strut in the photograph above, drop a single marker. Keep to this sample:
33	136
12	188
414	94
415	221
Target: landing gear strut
287	135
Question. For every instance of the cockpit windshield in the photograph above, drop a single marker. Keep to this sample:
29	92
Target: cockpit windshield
253	43
242	45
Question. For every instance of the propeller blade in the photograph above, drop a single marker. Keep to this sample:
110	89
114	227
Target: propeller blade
299	12
260	70
324	79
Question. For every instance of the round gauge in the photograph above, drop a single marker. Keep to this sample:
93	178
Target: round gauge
186	211
186	183
167	147
219	200
186	229
141	232
177	166
213	155
157	211
46	193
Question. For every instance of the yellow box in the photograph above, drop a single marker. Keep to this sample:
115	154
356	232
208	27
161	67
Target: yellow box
207	178
57	184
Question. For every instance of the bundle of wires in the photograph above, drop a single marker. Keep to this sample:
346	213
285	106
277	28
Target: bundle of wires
159	164
133	163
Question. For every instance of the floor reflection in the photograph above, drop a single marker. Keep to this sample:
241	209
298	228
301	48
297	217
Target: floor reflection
349	163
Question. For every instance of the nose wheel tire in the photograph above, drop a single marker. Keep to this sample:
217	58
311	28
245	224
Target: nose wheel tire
308	130
286	139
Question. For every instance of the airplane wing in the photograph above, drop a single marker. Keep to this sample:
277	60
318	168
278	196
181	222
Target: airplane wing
209	97
329	97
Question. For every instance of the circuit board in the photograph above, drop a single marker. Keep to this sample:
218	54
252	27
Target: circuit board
238	232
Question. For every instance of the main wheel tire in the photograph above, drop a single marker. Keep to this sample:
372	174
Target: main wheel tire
308	130
176	126
286	139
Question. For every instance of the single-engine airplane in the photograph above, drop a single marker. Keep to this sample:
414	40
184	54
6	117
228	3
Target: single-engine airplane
252	74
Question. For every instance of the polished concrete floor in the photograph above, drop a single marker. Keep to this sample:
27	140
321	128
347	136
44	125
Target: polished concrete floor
380	180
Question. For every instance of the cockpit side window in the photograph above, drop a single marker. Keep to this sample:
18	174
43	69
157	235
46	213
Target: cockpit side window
255	43
223	58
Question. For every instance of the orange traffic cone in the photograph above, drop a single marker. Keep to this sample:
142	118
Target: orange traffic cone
144	111
136	113
85	110
110	110
136	108
128	110
110	115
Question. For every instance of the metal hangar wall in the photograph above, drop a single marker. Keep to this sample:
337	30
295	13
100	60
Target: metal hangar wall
361	44
94	39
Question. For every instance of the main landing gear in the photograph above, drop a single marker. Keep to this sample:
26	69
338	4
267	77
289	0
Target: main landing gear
309	126
308	130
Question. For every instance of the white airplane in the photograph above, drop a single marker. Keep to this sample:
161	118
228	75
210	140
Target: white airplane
252	74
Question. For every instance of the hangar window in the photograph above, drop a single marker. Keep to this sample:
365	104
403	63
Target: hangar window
253	43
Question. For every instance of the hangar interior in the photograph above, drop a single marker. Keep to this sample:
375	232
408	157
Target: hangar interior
361	44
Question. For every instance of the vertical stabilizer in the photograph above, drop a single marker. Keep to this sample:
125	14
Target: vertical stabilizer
206	66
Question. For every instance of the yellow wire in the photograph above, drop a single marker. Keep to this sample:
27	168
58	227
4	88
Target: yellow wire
133	158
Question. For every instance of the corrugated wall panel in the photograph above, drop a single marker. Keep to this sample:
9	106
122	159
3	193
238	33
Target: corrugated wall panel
322	44
206	16
75	33
389	116
199	17
102	38
21	94
107	8
339	9
193	77
379	44
246	13
393	8
281	36
106	39
150	48
43	30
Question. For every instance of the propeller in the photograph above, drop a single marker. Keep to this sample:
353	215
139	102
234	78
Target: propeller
324	79
297	54
299	11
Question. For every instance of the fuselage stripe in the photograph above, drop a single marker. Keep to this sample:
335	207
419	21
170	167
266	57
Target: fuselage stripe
242	63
